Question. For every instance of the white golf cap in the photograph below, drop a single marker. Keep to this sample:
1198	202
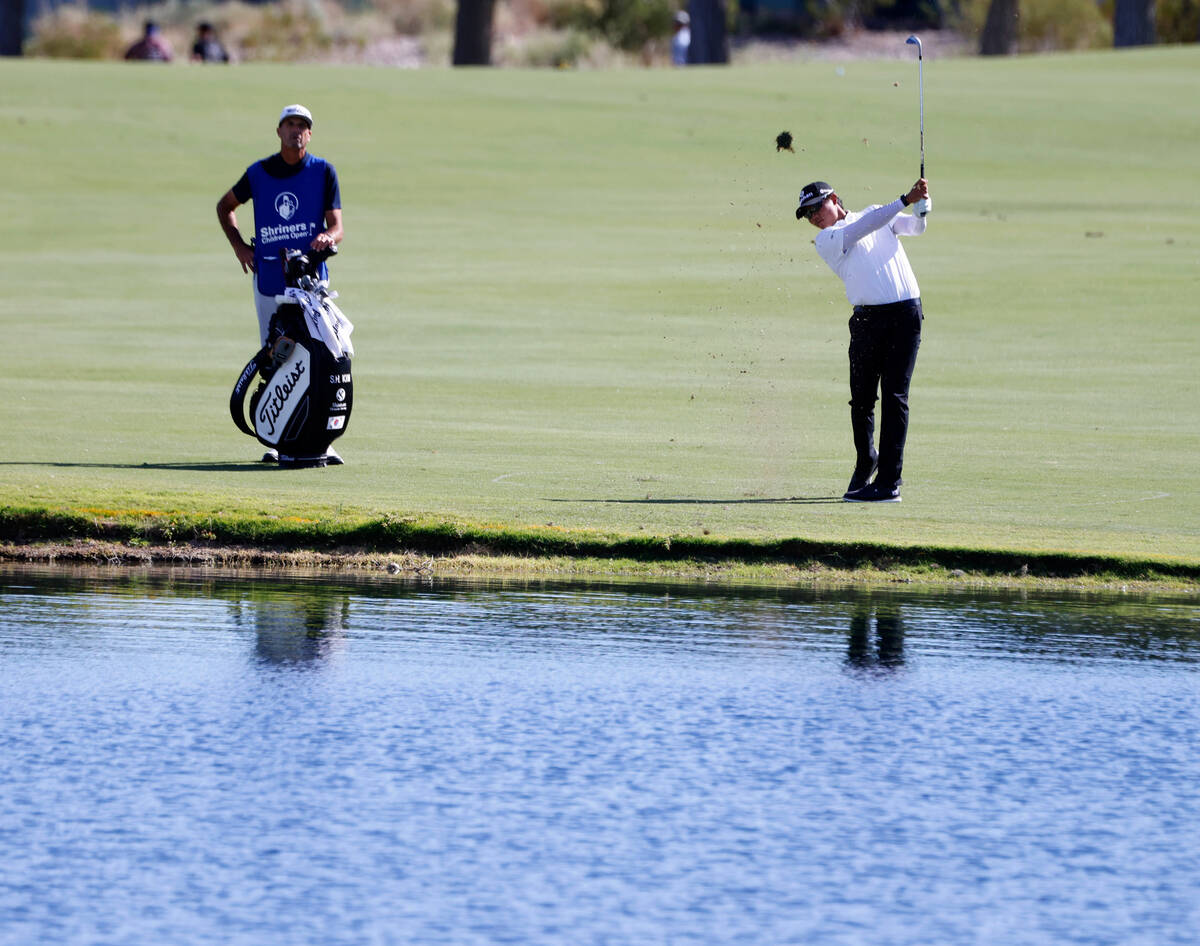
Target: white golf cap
296	111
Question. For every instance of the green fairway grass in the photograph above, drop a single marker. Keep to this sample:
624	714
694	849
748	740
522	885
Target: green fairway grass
582	300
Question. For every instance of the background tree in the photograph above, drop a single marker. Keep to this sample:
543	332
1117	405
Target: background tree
12	26
999	36
473	33
633	24
710	43
1133	23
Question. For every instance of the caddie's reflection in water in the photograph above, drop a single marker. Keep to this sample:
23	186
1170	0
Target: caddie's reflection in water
887	654
296	632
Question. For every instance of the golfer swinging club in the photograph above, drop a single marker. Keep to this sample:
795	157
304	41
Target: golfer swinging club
864	249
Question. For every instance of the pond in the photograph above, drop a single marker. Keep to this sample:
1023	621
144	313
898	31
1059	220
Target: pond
195	758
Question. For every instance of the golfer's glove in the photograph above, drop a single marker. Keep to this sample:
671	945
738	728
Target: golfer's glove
923	206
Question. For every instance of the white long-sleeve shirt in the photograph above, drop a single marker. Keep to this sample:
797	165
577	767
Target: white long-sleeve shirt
864	250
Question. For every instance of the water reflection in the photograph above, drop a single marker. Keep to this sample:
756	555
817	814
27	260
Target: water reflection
306	621
188	758
883	650
296	631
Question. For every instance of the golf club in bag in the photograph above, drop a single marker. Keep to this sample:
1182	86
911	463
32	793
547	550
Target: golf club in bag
305	391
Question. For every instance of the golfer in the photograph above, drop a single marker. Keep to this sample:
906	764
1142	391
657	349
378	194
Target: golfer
863	249
297	206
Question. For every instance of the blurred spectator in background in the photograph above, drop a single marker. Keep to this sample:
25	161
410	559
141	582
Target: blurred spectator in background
682	38
207	48
152	46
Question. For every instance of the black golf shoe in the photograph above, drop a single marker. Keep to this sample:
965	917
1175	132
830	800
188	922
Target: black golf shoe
874	494
861	479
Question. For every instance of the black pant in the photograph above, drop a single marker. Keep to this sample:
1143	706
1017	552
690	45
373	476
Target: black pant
883	352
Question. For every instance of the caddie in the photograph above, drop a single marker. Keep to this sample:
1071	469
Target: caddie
863	249
297	206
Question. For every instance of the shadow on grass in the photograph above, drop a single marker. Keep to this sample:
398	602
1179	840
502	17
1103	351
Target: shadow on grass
226	466
650	501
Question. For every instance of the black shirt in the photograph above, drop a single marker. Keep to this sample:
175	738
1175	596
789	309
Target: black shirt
209	50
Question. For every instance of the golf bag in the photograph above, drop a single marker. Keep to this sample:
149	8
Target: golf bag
305	392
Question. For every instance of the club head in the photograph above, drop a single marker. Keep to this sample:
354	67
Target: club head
914	41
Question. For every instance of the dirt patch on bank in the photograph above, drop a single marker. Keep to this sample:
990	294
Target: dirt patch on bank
100	552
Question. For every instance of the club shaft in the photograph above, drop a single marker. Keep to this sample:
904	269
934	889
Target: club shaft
921	85
916	41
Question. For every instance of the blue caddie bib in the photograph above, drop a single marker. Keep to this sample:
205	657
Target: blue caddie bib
288	213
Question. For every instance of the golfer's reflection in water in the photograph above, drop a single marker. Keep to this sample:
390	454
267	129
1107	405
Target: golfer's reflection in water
300	633
887	652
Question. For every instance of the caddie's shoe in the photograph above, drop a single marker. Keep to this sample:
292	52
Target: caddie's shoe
300	463
859	479
333	458
874	494
271	456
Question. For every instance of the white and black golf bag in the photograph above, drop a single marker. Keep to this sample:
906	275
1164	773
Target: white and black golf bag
305	392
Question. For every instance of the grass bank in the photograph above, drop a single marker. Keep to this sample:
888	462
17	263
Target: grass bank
587	320
441	548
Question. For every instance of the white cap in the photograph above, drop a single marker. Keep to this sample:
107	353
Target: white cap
296	111
682	18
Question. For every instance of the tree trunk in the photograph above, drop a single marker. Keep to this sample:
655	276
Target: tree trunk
999	37
1133	23
709	41
12	27
473	33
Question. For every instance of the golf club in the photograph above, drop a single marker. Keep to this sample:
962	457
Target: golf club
916	41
